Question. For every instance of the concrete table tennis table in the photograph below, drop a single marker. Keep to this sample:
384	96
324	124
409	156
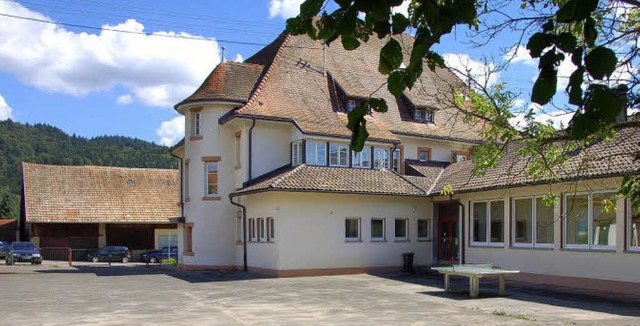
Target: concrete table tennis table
475	272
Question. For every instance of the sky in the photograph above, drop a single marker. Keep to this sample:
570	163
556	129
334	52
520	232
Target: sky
103	67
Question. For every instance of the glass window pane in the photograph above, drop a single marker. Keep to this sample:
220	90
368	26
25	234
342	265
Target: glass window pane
351	228
423	229
577	219
604	223
366	157
544	222
321	152
523	232
634	228
401	228
344	155
497	221
480	222
333	154
377	229
311	153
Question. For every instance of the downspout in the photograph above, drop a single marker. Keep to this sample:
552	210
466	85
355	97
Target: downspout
181	171
244	231
253	124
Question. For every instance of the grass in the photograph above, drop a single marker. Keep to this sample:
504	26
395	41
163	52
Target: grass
505	314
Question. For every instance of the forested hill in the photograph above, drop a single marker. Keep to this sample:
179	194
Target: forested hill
46	144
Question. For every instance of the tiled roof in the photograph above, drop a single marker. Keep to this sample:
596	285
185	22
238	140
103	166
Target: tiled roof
98	194
335	179
429	169
294	89
229	81
604	159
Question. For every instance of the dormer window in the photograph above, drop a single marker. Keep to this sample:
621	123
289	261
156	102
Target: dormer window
423	115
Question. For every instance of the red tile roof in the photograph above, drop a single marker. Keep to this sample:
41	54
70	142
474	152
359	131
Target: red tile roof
99	194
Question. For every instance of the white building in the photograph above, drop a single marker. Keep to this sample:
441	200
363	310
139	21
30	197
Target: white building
266	159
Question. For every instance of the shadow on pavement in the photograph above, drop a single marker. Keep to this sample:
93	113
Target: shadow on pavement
117	270
519	291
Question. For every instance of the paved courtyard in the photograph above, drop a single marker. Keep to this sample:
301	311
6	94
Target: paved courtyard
55	294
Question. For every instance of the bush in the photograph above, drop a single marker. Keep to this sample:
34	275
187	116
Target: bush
169	261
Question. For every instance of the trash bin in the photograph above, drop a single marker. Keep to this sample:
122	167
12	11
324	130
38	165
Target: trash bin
407	259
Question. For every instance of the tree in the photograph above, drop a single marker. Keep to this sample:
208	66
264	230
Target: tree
599	37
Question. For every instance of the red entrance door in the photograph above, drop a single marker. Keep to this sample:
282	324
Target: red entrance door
448	235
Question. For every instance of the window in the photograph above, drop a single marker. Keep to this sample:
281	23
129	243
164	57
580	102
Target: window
316	153
396	160
361	159
211	171
338	155
423	229
186	181
238	149
487	227
262	234
424	154
351	104
459	156
423	115
378	229
296	153
532	223
188	239
271	229
587	224
633	227
401	229
252	229
195	127
380	158
352	229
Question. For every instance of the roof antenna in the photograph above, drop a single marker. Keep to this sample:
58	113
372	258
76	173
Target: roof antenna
468	76
222	58
324	58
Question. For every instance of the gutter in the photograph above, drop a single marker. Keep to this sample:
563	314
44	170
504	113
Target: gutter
180	169
244	232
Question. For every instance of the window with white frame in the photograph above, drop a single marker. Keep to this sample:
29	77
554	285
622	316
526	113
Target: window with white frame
262	234
633	227
361	159
338	154
378	230
252	229
401	229
352	229
424	229
296	153
380	158
487	226
195	124
532	223
271	229
396	160
211	181
316	153
423	115
587	223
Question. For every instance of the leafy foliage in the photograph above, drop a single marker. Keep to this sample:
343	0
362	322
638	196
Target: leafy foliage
46	144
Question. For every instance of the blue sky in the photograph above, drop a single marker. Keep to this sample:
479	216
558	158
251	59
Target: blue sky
91	81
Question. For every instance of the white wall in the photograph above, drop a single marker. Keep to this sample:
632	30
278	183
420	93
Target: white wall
310	230
271	146
440	150
614	264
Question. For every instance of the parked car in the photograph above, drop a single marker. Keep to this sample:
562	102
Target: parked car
21	251
4	249
110	254
155	256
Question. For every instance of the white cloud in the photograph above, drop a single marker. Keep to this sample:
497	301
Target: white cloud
5	110
558	119
463	66
284	8
170	132
520	54
238	58
402	8
124	99
155	70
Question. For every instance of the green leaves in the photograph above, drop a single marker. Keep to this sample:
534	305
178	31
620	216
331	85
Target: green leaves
390	57
601	62
537	43
574	10
396	82
350	42
399	23
358	126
